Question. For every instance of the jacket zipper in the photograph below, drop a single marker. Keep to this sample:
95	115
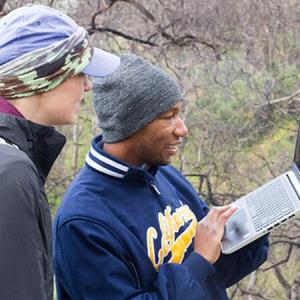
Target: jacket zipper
156	191
154	188
136	274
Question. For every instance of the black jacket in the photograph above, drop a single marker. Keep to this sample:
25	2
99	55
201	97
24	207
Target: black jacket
26	271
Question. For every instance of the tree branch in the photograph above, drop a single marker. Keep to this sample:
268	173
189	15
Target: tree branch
122	34
283	261
279	100
180	41
295	290
2	3
141	9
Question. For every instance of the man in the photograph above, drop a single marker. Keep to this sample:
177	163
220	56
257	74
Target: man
128	227
44	59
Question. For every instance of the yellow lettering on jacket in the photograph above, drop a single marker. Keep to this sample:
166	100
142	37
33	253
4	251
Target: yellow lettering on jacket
169	225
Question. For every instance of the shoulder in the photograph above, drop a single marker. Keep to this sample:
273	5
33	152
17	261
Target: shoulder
173	174
84	197
16	168
19	187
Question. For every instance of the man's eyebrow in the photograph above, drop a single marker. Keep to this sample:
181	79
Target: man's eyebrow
172	110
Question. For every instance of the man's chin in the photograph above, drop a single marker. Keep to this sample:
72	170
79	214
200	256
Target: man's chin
160	163
165	163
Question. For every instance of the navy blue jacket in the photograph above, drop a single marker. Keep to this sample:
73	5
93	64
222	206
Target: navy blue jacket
126	233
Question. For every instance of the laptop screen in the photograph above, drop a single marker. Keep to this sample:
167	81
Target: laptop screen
297	149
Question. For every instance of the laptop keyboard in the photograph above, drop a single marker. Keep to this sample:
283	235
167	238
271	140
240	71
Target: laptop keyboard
269	204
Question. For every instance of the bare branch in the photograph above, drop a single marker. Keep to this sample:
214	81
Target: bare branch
279	100
2	3
141	9
51	3
119	33
295	290
282	280
283	261
184	40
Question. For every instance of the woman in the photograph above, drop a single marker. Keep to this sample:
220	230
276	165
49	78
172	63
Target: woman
45	58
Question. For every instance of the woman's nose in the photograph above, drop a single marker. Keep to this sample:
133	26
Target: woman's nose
88	85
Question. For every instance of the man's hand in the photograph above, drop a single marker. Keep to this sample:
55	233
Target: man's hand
210	231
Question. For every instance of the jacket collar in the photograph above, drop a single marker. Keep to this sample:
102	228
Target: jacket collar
107	164
41	143
8	108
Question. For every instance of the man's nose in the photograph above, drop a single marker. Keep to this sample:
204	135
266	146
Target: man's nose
180	129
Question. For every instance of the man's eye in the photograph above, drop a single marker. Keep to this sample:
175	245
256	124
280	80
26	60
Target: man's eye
169	116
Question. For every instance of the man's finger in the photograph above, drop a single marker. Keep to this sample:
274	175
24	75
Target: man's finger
216	211
223	218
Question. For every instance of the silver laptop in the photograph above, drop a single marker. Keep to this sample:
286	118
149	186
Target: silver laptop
265	208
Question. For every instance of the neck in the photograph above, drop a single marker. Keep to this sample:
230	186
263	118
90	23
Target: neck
123	151
29	107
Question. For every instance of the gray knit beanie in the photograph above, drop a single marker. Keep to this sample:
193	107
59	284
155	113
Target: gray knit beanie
131	97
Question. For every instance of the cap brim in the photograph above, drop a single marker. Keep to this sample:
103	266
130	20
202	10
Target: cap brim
102	64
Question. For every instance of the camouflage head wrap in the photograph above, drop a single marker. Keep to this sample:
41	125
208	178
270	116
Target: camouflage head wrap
44	69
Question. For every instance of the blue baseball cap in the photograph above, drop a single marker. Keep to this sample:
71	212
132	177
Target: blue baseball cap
33	27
